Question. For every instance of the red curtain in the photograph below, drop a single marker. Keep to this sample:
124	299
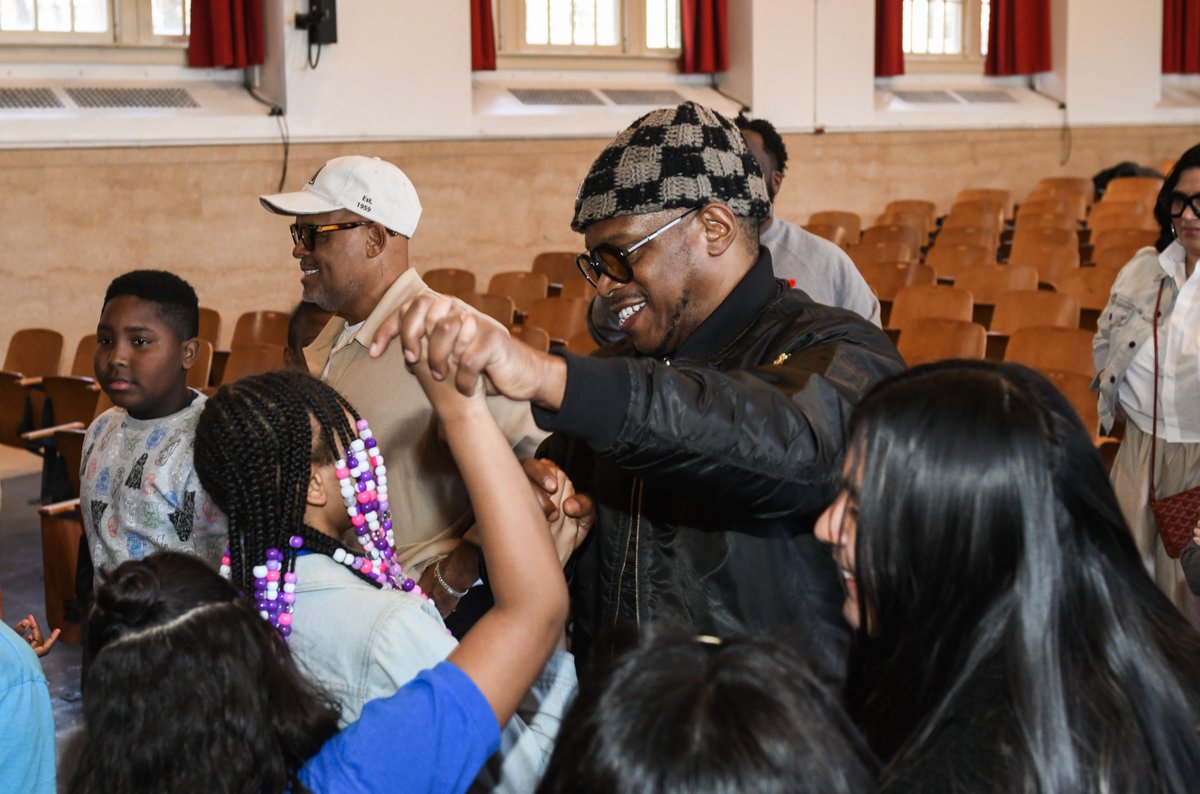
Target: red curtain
483	37
1181	37
705	31
1019	39
226	33
889	37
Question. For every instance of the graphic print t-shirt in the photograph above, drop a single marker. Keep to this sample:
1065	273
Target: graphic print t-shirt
139	492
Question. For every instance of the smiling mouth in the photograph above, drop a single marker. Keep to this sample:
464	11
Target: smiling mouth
308	271
626	314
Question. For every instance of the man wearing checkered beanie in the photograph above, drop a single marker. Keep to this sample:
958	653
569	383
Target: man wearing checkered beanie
708	440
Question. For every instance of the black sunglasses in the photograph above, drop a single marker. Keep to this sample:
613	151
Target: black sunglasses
1179	202
606	259
305	234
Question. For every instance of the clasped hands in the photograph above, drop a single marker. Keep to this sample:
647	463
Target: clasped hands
476	351
449	341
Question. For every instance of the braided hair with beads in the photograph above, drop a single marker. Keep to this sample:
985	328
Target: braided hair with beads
257	441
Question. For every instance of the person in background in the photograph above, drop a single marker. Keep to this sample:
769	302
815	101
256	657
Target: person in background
305	325
804	260
354	220
1129	371
138	487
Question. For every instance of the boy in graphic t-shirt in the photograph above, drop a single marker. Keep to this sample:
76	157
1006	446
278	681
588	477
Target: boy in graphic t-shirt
138	487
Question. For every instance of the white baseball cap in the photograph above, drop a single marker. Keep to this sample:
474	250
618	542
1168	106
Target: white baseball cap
367	186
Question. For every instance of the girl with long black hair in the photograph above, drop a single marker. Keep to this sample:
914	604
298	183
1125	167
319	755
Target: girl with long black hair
1008	637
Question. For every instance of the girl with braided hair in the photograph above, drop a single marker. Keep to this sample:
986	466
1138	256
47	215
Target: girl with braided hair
268	446
294	467
189	688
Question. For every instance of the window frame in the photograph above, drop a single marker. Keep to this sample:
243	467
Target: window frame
131	39
969	61
629	53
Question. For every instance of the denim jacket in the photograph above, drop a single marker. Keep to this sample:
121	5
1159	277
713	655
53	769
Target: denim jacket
1127	321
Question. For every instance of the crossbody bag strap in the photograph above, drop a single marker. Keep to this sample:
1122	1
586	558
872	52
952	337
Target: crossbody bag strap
1154	405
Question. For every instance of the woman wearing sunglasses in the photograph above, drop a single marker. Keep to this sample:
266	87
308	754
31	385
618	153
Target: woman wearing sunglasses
1154	387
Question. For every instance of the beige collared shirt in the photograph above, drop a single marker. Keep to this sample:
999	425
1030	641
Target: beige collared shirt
429	506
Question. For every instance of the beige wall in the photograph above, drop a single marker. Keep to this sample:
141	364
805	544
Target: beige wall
76	218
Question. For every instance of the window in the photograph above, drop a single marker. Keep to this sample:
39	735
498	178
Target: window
98	23
945	35
632	30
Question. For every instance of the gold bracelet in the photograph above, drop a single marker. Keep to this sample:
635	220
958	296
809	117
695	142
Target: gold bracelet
442	583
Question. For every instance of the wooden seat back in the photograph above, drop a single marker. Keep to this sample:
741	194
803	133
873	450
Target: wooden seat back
69	398
523	286
1045	349
1034	308
886	278
987	282
210	325
883	251
252	358
1133	188
450	281
558	267
532	335
850	221
562	318
34	352
968	235
1050	261
830	231
937	338
950	259
923	301
998	196
85	354
900	233
201	372
498	307
261	327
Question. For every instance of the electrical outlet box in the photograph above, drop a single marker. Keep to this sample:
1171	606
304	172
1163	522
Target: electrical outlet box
320	21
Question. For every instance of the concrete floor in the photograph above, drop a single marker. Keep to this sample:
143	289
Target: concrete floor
22	583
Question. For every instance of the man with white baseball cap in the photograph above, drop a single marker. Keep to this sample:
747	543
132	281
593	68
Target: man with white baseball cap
353	222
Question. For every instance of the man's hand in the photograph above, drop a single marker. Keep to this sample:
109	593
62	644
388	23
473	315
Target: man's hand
461	344
570	515
31	632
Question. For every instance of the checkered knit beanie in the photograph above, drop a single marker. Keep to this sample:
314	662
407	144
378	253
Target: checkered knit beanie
680	157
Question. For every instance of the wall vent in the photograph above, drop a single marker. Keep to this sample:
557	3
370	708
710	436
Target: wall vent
24	98
555	96
985	97
926	97
132	98
639	96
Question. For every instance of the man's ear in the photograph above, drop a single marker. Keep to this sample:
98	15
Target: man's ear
191	352
776	183
378	239
317	493
720	227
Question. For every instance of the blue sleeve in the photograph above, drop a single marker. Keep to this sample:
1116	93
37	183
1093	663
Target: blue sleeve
433	736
